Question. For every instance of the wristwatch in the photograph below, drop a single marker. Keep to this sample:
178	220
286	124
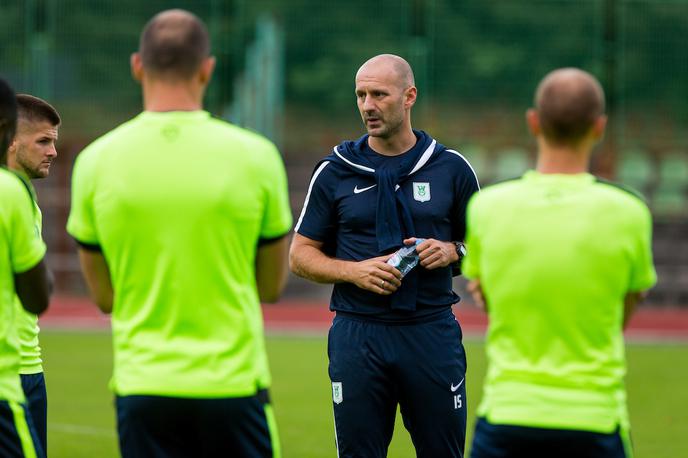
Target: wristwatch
460	249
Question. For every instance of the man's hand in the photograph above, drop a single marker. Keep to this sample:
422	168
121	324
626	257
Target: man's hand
477	292
434	253
307	260
374	275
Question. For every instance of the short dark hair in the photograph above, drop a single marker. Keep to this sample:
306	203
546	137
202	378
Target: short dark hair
31	108
173	44
568	102
8	118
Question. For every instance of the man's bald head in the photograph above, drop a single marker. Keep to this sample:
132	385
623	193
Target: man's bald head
568	102
173	45
390	63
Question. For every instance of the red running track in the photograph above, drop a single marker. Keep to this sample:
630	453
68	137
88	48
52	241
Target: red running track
303	317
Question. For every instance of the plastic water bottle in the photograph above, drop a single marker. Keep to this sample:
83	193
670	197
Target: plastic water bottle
405	258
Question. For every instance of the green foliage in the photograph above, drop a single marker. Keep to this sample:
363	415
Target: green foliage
463	52
88	49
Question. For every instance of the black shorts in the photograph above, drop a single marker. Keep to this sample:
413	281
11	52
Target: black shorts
18	437
507	441
37	403
158	426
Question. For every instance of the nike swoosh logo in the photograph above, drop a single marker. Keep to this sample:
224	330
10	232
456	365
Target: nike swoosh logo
358	191
454	388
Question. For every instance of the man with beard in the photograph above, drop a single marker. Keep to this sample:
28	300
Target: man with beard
30	155
394	341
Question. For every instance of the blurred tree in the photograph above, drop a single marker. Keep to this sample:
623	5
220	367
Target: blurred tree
469	53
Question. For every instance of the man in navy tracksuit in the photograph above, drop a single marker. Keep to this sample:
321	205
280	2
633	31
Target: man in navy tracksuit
393	340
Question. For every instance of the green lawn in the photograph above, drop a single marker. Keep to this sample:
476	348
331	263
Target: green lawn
82	422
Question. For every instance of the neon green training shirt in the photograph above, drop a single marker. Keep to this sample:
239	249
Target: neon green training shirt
21	249
555	255
27	323
179	202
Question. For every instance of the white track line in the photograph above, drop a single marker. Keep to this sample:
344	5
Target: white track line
81	430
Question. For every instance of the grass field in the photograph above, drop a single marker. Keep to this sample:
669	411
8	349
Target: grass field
82	420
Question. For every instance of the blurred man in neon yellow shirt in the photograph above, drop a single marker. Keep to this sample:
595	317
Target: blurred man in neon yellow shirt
559	258
181	219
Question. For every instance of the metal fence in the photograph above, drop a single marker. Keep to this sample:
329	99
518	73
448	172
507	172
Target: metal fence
476	63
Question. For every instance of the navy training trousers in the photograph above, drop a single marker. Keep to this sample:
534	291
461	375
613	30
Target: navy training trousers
419	366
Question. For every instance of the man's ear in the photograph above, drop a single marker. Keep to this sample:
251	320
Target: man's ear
205	73
11	155
533	122
599	127
136	66
410	95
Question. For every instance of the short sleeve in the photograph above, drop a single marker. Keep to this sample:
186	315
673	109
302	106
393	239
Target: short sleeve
81	223
465	186
317	216
643	275
470	265
277	219
26	245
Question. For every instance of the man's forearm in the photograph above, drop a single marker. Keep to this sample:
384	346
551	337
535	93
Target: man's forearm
312	264
271	269
34	288
97	276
